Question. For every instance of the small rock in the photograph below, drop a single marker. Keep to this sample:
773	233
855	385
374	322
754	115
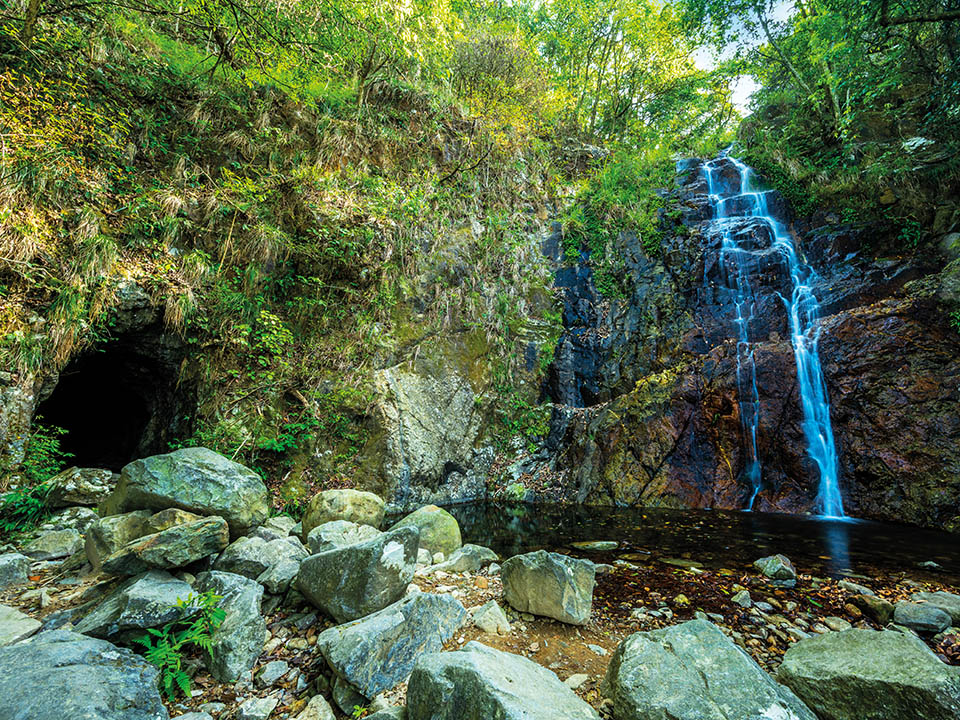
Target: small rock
237	643
270	673
776	567
874	607
493	569
854	588
213	708
596	649
438	557
837	624
921	617
948	602
852	610
194	716
490	618
469	558
742	599
317	709
256	708
14	569
595	546
575	681
424	557
15	626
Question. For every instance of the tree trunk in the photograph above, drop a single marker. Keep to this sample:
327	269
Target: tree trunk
30	23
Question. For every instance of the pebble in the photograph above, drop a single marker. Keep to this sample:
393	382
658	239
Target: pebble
837	624
742	599
597	649
575	681
854	589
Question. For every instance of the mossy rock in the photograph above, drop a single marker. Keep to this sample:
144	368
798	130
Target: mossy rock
439	530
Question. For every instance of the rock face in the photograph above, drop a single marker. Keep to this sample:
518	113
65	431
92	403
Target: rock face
480	683
80	486
693	672
61	674
871	675
356	506
239	640
146	601
338	533
174	547
439	530
550	584
194	479
350	582
377	652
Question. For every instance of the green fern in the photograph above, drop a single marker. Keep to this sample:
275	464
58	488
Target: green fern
165	646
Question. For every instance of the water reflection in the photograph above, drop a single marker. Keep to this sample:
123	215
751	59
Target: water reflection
714	538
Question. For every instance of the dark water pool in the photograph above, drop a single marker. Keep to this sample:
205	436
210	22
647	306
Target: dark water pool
718	538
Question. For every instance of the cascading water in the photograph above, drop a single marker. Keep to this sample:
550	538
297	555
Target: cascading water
803	311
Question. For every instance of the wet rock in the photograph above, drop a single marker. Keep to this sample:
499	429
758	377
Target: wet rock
239	640
923	618
54	545
350	582
469	558
194	479
339	533
550	584
861	674
80	486
61	675
693	672
174	547
479	683
317	709
14	569
108	534
356	506
439	530
15	625
146	601
948	602
776	567
253	556
377	652
490	618
875	608
256	708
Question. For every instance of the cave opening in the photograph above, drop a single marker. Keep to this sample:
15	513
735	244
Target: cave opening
120	401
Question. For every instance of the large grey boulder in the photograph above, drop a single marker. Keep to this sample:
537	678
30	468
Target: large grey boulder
947	602
480	683
108	534
357	506
80	486
693	671
377	652
194	479
550	584
54	545
439	530
239	640
61	675
252	556
923	618
14	569
339	533
146	601
174	547
15	625
350	582
871	675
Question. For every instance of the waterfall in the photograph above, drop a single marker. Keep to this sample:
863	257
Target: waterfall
745	199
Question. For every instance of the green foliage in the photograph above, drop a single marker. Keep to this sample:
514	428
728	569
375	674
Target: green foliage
23	509
43	457
165	646
955	320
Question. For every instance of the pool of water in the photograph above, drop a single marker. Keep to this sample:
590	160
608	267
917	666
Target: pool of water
717	538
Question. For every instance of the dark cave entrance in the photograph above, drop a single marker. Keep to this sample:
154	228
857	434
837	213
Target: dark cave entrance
120	401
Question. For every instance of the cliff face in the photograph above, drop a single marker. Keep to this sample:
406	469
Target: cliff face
661	424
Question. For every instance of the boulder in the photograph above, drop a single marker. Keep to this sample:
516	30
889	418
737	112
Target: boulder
871	675
62	675
439	530
239	640
469	559
174	547
146	601
923	618
948	602
377	652
108	534
275	528
277	578
693	671
776	567
54	545
73	518
253	556
194	479
875	608
80	486
490	618
14	569
338	533
15	625
357	506
550	584
480	683
353	581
